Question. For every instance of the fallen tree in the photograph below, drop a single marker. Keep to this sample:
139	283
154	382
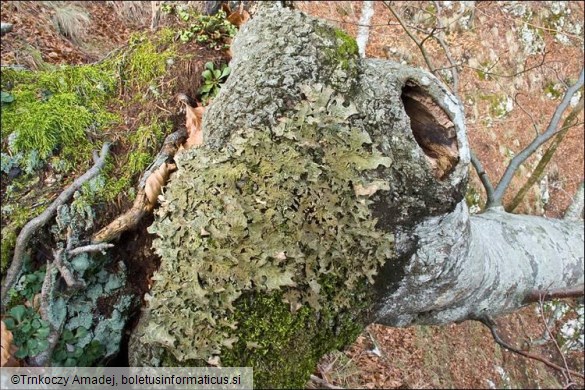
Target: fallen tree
329	194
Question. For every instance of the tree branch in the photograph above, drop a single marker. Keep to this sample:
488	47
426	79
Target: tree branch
485	180
47	291
576	208
454	70
547	295
535	144
89	248
489	322
34	224
539	170
142	204
548	331
417	43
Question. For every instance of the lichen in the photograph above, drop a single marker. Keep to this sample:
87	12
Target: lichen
273	213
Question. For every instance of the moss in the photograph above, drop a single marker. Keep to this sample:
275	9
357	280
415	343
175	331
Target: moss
348	49
52	112
283	348
340	57
147	61
59	117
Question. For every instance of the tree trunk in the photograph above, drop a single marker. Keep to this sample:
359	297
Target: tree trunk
398	200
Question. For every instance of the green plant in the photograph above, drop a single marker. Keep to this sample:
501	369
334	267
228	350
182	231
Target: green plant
29	330
7	98
212	80
214	31
30	284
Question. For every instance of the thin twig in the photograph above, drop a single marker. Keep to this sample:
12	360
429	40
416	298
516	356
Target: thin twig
568	371
89	248
525	70
487	321
535	144
440	38
65	272
417	43
34	224
527	113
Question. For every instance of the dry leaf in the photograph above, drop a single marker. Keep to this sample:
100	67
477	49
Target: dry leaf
193	119
156	181
6	348
239	17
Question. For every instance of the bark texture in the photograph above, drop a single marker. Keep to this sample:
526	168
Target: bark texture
447	266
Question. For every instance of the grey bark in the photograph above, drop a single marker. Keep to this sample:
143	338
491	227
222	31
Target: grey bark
449	266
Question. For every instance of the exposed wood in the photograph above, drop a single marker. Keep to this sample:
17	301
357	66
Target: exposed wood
148	190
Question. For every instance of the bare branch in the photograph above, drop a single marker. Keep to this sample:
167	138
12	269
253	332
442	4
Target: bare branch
440	38
568	372
89	248
65	272
540	167
525	70
141	205
576	208
547	295
417	43
47	292
535	144
34	224
485	180
536	133
487	321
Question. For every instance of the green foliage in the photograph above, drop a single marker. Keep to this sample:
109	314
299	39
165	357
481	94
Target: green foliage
6	98
146	64
214	31
53	112
275	211
212	81
87	338
28	329
30	284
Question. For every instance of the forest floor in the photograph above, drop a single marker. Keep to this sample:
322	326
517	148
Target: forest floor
454	356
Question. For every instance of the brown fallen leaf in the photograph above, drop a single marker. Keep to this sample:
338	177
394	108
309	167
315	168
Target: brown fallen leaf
7	350
239	17
193	120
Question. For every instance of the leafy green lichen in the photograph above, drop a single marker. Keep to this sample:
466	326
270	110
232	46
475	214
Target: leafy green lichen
273	213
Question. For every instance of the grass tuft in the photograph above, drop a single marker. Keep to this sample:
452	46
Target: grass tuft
70	21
